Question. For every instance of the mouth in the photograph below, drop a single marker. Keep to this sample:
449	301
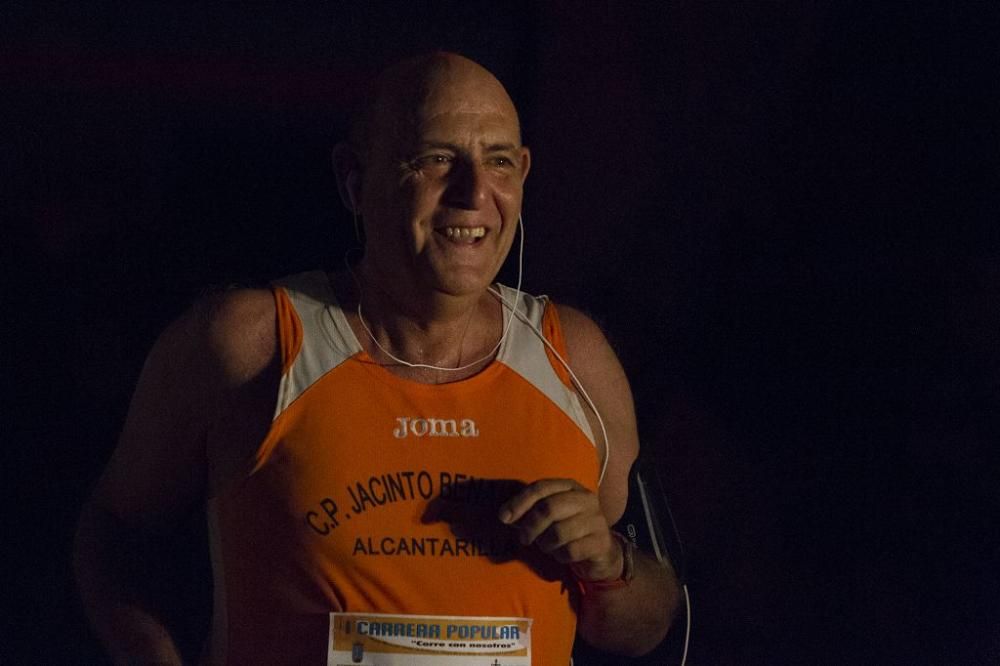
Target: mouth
463	235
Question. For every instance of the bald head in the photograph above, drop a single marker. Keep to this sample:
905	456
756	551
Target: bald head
408	92
439	150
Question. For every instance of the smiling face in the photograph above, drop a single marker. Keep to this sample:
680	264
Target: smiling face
443	179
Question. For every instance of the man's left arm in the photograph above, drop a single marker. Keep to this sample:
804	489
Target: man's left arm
572	524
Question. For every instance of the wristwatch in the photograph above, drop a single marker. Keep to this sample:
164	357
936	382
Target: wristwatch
628	569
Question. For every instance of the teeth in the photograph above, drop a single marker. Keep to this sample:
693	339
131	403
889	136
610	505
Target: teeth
465	232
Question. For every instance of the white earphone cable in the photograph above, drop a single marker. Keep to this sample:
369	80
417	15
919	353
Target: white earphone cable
490	354
576	381
514	311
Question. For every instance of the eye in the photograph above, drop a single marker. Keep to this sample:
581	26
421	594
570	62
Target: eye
503	161
433	160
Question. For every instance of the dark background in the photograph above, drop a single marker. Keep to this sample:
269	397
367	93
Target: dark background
782	213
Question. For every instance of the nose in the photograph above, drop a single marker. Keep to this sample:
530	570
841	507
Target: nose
468	186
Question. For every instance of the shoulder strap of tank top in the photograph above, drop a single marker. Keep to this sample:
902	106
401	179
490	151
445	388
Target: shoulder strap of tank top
525	351
326	339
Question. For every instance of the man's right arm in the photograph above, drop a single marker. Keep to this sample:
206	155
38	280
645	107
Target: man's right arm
160	471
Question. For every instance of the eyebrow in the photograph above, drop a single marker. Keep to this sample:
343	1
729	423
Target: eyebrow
491	148
500	147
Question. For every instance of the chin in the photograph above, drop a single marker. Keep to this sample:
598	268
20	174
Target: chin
463	289
463	285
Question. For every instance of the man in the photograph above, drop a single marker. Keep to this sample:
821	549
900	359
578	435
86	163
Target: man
392	440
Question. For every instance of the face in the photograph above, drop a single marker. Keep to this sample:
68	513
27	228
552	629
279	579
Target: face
443	185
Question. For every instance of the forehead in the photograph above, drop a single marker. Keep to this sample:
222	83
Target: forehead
451	102
461	126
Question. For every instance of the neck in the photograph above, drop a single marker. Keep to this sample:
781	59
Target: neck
427	328
425	309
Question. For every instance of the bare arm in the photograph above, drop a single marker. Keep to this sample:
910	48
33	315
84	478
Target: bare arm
571	524
160	470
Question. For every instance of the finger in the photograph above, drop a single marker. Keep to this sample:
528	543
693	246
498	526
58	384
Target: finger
553	510
591	550
515	507
564	532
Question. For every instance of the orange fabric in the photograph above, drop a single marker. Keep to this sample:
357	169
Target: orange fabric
290	339
553	333
380	494
289	329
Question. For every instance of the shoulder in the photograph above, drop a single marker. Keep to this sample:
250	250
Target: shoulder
590	353
581	333
239	331
224	339
205	362
201	365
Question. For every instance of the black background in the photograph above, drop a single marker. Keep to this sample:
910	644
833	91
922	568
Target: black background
782	213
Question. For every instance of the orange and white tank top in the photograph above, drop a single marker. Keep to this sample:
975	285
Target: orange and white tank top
368	526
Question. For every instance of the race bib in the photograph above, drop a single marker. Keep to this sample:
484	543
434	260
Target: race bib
377	639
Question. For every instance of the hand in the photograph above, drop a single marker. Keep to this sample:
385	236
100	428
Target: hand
564	520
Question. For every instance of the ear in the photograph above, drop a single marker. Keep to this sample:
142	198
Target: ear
525	163
347	168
